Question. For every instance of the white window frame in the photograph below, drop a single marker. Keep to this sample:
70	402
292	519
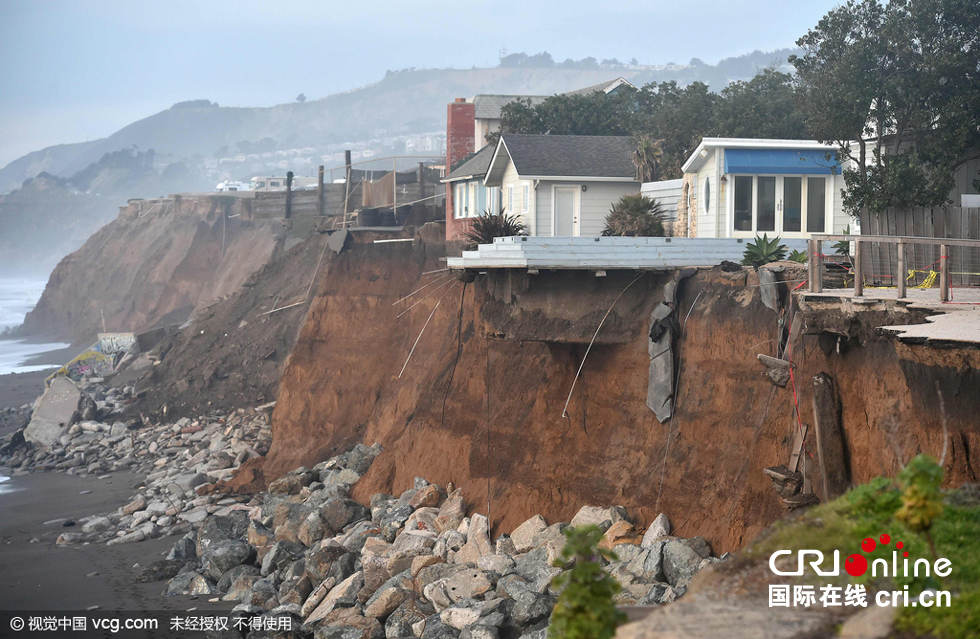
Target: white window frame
510	199
458	202
471	198
525	198
780	196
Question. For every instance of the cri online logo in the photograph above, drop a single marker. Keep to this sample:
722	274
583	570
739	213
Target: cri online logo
857	564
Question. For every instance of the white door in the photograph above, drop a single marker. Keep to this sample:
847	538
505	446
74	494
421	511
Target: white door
566	217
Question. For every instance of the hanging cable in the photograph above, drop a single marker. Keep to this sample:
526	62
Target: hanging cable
564	412
424	326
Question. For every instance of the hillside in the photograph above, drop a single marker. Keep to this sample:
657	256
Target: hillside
402	103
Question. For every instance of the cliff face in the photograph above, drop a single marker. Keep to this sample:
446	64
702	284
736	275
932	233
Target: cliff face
158	262
480	409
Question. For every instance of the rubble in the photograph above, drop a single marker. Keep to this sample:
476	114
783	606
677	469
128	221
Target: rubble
401	566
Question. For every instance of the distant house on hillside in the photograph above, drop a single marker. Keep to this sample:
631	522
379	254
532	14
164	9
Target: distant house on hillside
738	187
562	185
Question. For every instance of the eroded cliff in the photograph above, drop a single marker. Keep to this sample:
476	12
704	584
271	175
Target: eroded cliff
476	407
157	263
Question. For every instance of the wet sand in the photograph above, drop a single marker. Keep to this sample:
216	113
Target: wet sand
43	576
17	389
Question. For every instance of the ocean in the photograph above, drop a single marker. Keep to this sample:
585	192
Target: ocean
17	298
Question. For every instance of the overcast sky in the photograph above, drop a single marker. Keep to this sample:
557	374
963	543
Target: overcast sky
73	71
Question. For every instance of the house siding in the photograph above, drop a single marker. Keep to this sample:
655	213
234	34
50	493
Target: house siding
596	202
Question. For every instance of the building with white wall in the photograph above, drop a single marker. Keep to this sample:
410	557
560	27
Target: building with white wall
562	185
738	187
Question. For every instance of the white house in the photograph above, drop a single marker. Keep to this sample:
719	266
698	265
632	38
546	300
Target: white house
738	187
562	185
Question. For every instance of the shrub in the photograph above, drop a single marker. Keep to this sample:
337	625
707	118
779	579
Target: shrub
488	226
635	216
585	607
763	251
798	256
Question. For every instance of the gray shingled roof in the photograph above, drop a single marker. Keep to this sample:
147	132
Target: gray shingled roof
602	86
488	106
476	166
571	155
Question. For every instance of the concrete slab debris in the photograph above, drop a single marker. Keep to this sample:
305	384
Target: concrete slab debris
58	409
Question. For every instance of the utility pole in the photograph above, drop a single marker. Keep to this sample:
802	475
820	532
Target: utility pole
319	192
347	174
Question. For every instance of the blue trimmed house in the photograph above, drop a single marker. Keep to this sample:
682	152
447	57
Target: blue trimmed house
737	187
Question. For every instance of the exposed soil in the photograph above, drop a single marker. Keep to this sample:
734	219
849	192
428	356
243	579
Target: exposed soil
341	386
152	265
234	351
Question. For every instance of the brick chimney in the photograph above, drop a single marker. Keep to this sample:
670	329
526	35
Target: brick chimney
460	142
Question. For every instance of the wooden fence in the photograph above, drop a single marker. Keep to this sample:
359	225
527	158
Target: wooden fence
879	261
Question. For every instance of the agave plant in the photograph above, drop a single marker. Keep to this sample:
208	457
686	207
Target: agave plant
635	216
763	251
798	256
489	225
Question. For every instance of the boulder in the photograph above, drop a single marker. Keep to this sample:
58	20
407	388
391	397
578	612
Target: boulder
57	410
224	555
401	620
468	584
523	536
184	485
137	504
621	532
343	595
160	570
680	563
660	527
281	554
386	602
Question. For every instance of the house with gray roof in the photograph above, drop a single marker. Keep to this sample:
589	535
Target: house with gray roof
561	185
487	113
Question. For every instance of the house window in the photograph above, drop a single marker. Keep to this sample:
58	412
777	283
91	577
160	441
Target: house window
766	205
779	204
816	204
510	198
707	195
792	204
471	209
525	198
493	193
743	202
458	202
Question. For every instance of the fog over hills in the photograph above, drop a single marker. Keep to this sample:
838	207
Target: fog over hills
402	103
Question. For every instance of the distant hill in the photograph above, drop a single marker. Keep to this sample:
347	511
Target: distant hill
403	102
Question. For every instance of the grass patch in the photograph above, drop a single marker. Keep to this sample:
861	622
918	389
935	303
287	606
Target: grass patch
870	510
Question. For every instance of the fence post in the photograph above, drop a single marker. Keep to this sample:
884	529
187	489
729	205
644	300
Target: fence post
816	267
394	184
858	270
319	192
347	178
944	273
901	270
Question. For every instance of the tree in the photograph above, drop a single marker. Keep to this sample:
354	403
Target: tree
301	98
762	107
896	88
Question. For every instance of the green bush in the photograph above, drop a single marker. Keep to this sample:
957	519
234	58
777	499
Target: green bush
635	216
585	607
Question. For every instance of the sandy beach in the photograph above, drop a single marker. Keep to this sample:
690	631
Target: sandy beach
38	575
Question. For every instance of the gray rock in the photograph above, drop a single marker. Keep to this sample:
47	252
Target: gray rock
392	522
281	554
648	565
230	578
185	548
528	607
219	528
224	555
57	410
160	570
660	527
184	485
401	620
680	563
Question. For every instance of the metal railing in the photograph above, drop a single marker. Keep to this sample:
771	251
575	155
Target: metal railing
909	263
